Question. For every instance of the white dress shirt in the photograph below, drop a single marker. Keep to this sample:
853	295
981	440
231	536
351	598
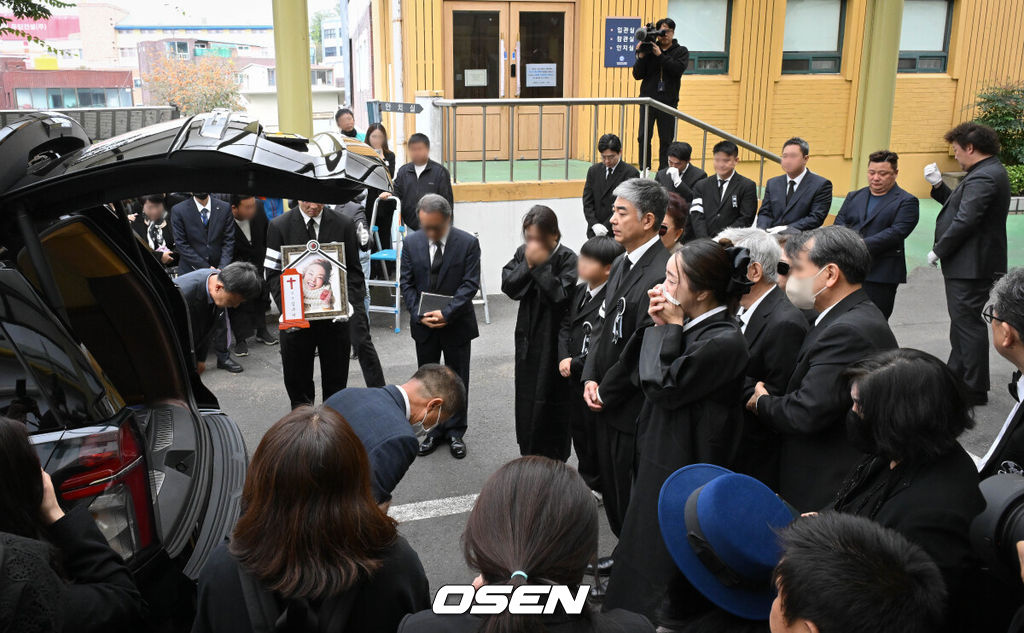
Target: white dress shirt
405	397
1006	425
639	251
316	223
596	289
246	230
725	184
433	246
797	180
745	314
689	325
201	207
824	312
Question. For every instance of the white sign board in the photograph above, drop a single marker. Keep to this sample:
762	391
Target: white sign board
476	77
541	75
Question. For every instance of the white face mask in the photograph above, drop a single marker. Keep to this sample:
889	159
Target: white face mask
800	291
421	431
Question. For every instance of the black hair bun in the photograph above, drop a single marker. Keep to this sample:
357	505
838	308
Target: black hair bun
739	284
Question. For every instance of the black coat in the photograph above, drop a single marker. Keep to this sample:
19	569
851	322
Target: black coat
254	248
616	621
396	589
668	67
1008	452
692	381
891	222
774	335
572	332
289	228
970	232
201	246
410	188
622	401
141	227
597	193
806	209
931	504
810	415
202	312
736	208
459	278
683	189
542	394
692	175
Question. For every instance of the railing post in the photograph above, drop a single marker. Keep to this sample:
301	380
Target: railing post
593	139
540	140
704	151
645	125
760	178
622	122
483	148
455	145
445	135
511	142
568	125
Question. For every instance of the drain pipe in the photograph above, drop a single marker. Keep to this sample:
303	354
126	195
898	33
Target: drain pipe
397	83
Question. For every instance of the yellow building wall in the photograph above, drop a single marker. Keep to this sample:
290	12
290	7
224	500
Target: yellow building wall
755	101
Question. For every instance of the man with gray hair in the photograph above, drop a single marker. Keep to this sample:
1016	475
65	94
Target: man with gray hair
637	212
1005	316
828	266
774	330
440	277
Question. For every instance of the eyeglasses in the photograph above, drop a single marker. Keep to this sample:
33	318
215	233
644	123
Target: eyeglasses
663	230
782	268
989	315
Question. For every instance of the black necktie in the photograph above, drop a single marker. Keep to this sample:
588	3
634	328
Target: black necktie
789	192
435	265
626	266
311	229
586	299
721	187
607	173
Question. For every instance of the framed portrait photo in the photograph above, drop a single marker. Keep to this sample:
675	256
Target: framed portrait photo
324	283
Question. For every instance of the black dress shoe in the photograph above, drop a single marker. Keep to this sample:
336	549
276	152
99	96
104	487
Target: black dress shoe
428	445
264	336
230	366
457	447
604	566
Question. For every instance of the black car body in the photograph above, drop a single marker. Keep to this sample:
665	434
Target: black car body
95	350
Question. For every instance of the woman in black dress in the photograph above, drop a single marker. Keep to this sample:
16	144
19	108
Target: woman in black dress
534	523
311	546
541	276
377	138
690	366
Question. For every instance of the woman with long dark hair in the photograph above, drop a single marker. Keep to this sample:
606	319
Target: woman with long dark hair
312	548
909	409
377	138
57	571
534	523
541	277
690	366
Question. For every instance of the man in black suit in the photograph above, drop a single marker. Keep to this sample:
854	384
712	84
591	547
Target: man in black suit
659	68
327	337
1005	315
208	293
828	266
419	177
970	241
797	200
389	419
250	246
884	215
602	179
725	200
680	176
608	390
153	225
442	260
574	337
774	330
359	326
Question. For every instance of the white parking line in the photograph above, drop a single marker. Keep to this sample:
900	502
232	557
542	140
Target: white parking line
432	509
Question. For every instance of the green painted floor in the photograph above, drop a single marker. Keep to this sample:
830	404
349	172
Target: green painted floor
497	170
921	240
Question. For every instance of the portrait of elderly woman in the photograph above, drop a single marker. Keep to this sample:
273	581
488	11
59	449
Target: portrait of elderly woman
323	280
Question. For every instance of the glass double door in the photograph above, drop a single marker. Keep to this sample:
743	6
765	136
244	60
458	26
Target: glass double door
509	50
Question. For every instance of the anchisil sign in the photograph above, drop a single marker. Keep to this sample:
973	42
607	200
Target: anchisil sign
518	600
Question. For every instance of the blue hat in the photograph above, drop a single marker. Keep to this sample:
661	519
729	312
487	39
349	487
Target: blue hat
720	528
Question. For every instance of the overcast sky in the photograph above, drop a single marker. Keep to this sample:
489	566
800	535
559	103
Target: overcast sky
207	12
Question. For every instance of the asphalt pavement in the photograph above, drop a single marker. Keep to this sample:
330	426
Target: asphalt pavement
433	500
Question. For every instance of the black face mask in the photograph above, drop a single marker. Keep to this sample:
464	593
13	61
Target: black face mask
200	196
860	433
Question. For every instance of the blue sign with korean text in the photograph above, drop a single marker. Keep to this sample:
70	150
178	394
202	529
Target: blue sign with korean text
619	42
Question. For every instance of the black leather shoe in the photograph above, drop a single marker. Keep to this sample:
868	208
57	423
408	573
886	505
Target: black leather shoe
457	447
266	337
230	365
598	589
428	445
604	566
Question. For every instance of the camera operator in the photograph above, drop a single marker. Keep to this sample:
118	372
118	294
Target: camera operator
659	68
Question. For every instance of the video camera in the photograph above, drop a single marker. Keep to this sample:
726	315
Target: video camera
648	35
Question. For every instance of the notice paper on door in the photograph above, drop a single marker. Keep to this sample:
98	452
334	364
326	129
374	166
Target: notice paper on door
476	76
541	75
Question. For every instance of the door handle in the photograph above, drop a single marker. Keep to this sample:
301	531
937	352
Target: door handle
512	69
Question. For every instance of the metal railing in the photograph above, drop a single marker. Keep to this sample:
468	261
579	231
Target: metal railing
449	109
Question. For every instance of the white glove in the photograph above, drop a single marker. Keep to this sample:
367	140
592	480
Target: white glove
673	173
932	174
933	259
599	230
697	206
777	229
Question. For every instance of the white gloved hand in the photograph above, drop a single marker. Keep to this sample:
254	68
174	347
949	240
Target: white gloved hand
599	230
777	229
932	174
673	173
933	259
